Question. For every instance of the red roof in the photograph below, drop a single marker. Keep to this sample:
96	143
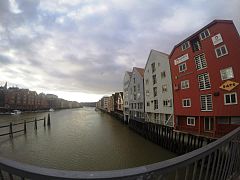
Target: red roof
199	31
140	71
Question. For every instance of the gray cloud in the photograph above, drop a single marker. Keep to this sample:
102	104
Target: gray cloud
85	46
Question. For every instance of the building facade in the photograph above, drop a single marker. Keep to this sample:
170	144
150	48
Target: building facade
136	94
205	78
158	89
126	81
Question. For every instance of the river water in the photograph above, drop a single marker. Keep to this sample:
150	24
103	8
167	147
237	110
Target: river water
79	139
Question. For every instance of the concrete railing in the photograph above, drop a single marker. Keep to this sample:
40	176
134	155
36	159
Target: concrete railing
217	160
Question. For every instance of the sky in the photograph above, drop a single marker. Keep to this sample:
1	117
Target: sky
80	49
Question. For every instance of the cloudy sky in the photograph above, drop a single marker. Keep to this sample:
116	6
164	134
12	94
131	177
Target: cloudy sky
80	49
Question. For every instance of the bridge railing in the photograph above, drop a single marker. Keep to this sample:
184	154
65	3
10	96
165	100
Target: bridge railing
217	160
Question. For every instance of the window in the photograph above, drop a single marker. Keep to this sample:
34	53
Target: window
155	104
164	88
154	91
186	102
147	92
158	64
200	61
185	45
182	67
206	102
138	86
134	97
204	34
163	74
154	79
134	88
185	84
196	46
191	121
208	123
235	120
227	73
134	80
221	51
147	81
223	120
153	67
167	103
148	103
230	98
204	81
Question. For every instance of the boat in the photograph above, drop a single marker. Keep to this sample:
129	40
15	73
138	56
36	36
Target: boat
51	110
15	112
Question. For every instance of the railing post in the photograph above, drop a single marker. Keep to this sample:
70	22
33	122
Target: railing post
35	122
25	127
48	120
44	119
10	130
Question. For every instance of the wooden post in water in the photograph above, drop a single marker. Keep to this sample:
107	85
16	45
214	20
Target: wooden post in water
25	127
35	123
10	130
48	120
44	123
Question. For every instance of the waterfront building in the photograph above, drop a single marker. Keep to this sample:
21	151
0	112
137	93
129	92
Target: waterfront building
136	94
205	78
104	103
118	102
158	89
111	103
126	81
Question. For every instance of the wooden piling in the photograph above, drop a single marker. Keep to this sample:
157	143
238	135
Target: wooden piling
48	120
35	123
25	127
10	130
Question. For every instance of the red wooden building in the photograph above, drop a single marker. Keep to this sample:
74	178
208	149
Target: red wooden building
205	74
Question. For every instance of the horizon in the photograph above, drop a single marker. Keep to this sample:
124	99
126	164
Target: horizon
80	50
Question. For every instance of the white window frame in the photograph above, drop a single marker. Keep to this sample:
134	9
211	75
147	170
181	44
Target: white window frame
186	99
223	70
182	65
206	103
203	81
231	103
200	61
189	123
209	129
185	46
220	47
184	83
204	32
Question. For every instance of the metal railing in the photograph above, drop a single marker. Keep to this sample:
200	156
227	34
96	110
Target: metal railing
218	160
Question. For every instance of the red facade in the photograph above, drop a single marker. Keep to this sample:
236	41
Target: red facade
200	66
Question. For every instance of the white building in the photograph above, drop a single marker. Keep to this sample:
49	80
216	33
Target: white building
126	82
136	94
104	102
158	89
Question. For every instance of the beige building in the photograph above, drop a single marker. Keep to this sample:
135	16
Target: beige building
158	89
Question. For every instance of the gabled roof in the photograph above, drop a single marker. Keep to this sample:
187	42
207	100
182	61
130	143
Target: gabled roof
129	73
199	31
152	50
140	71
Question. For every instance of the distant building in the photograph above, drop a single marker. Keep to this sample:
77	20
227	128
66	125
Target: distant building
118	102
126	82
158	89
136	94
205	76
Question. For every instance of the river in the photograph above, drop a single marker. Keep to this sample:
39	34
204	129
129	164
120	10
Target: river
79	139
